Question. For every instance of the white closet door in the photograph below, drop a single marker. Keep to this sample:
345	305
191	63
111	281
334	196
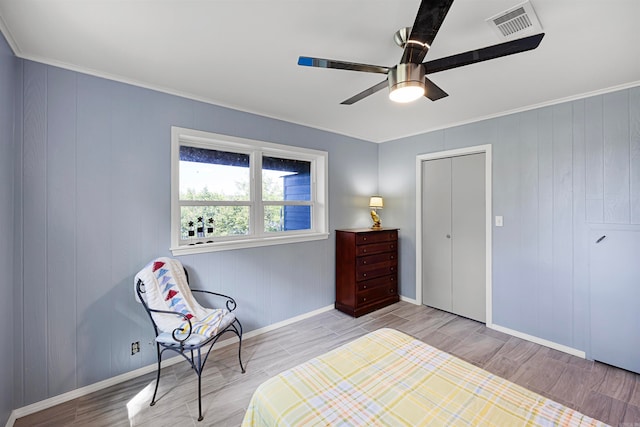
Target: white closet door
436	233
453	235
615	297
468	236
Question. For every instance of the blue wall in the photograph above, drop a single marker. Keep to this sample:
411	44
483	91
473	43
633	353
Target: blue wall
556	172
96	208
8	72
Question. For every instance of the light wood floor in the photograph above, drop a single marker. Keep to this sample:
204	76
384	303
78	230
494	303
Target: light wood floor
609	394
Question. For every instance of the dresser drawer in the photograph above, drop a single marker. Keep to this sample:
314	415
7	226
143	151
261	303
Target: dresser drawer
376	259
373	295
376	237
376	270
386	281
376	248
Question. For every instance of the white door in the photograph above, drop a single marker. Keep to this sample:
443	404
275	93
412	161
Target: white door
436	234
615	294
453	235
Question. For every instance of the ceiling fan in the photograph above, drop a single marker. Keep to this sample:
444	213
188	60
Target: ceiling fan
407	80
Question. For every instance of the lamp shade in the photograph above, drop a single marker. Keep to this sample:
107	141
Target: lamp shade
376	202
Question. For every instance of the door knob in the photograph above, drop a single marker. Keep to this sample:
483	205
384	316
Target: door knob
448	236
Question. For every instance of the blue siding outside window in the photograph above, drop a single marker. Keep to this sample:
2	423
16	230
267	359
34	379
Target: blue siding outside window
297	187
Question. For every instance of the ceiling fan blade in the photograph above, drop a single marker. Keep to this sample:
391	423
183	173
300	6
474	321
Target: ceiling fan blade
366	92
430	15
433	91
484	54
306	61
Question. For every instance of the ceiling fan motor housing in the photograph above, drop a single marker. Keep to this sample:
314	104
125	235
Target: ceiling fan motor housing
406	75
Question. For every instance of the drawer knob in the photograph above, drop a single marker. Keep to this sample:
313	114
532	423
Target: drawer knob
364	251
392	257
391	269
391	246
364	238
364	299
364	287
364	262
390	291
392	279
364	275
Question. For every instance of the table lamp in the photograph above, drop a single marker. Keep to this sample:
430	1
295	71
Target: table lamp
375	203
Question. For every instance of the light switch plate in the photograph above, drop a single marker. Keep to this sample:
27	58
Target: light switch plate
499	221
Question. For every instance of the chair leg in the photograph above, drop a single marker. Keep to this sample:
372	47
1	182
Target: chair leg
153	399
198	369
240	347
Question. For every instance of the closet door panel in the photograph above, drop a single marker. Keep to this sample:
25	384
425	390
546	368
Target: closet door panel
468	236
436	233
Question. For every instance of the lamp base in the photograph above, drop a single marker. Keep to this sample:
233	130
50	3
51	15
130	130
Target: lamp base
376	220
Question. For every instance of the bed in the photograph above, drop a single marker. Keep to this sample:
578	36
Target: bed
387	378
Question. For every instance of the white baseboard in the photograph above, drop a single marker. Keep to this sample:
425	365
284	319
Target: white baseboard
522	335
409	300
12	419
541	341
286	322
82	391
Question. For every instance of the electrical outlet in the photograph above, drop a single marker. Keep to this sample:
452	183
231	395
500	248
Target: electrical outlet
135	347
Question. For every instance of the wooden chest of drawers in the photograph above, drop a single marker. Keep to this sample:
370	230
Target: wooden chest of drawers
366	270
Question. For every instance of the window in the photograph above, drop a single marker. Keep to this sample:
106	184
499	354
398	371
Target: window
229	193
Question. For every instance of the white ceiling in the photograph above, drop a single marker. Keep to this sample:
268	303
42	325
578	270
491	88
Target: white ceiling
243	54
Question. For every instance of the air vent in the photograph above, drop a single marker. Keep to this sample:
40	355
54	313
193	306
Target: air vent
516	22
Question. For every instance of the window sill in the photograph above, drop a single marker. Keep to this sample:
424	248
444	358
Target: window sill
246	243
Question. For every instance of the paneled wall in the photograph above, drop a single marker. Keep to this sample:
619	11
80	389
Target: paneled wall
556	172
85	189
95	208
8	64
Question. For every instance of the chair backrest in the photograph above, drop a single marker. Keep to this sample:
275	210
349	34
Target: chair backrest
166	288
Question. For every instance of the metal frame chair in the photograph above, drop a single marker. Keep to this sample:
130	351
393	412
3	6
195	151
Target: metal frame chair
181	341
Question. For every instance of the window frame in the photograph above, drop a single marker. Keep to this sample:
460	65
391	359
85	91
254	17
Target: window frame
256	149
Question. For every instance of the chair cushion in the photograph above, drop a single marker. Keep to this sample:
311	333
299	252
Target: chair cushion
167	339
215	322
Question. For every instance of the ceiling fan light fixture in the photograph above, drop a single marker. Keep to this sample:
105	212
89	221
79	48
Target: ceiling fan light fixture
407	92
406	82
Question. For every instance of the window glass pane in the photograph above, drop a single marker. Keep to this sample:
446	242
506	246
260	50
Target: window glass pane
213	175
198	222
285	179
286	218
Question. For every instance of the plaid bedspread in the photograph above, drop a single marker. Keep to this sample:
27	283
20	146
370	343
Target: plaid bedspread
387	378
